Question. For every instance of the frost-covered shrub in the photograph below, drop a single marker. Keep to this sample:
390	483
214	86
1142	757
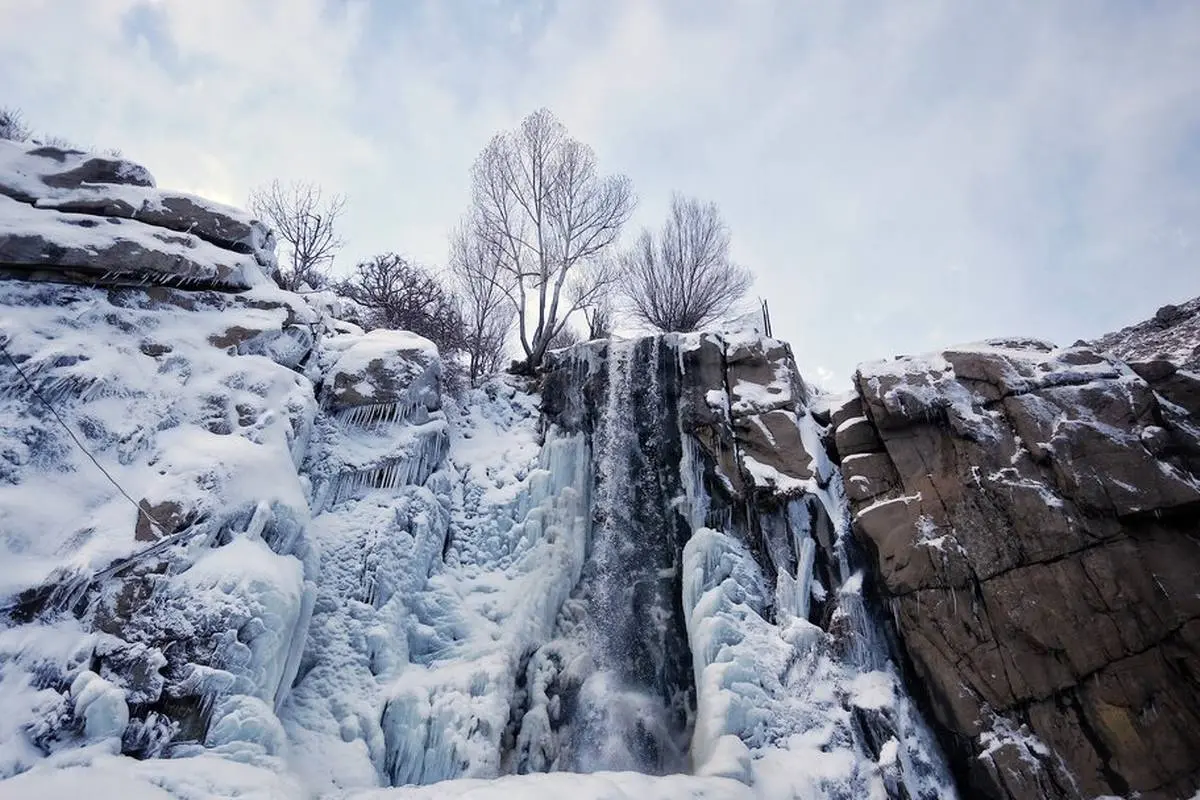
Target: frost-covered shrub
12	125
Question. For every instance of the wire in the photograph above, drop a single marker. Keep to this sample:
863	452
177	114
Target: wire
37	393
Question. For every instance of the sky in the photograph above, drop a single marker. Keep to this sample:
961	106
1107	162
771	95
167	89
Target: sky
899	177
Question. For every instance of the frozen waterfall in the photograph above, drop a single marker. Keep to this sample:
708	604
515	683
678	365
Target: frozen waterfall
635	710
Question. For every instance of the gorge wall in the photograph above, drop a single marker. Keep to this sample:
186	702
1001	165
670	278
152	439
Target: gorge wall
249	549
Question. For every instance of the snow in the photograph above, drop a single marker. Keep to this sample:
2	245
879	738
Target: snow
99	773
852	422
206	438
150	421
1002	734
750	397
246	580
768	476
385	346
433	586
20	171
555	785
873	690
879	504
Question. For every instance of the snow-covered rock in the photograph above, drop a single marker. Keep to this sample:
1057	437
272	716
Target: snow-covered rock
68	215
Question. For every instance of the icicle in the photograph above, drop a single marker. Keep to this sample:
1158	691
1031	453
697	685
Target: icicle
378	415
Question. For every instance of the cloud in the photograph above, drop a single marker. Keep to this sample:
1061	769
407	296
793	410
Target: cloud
899	176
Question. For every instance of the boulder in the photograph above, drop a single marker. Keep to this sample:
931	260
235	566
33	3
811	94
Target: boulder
856	436
868	475
848	408
385	368
770	448
762	376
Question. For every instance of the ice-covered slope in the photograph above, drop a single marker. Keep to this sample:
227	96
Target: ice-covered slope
436	552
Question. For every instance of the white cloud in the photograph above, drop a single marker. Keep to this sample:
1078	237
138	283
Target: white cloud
900	176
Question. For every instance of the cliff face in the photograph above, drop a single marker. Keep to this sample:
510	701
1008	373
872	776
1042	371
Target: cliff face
247	549
1172	335
1033	516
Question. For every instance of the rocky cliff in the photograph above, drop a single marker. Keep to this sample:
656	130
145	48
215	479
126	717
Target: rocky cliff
1033	517
252	550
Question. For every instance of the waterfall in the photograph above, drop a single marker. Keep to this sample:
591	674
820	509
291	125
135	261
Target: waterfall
634	710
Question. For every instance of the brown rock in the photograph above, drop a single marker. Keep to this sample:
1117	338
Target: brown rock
1036	533
1181	389
1154	370
772	440
385	368
705	367
762	380
854	436
156	521
868	475
850	408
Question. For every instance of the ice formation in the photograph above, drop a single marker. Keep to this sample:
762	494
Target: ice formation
400	588
330	577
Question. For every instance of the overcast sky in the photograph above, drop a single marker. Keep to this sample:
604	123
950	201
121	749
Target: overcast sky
899	175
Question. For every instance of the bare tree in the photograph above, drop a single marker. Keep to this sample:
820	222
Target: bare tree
306	225
683	279
401	295
539	202
484	288
566	337
600	318
12	125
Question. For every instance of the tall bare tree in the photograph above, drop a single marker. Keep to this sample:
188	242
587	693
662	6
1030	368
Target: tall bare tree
484	288
683	278
306	223
538	200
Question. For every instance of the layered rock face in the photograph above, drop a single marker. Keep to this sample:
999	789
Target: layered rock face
1033	515
68	215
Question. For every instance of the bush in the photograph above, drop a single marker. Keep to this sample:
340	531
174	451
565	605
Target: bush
12	125
401	295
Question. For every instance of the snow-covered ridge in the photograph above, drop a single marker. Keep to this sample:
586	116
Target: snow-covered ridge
1172	334
68	215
